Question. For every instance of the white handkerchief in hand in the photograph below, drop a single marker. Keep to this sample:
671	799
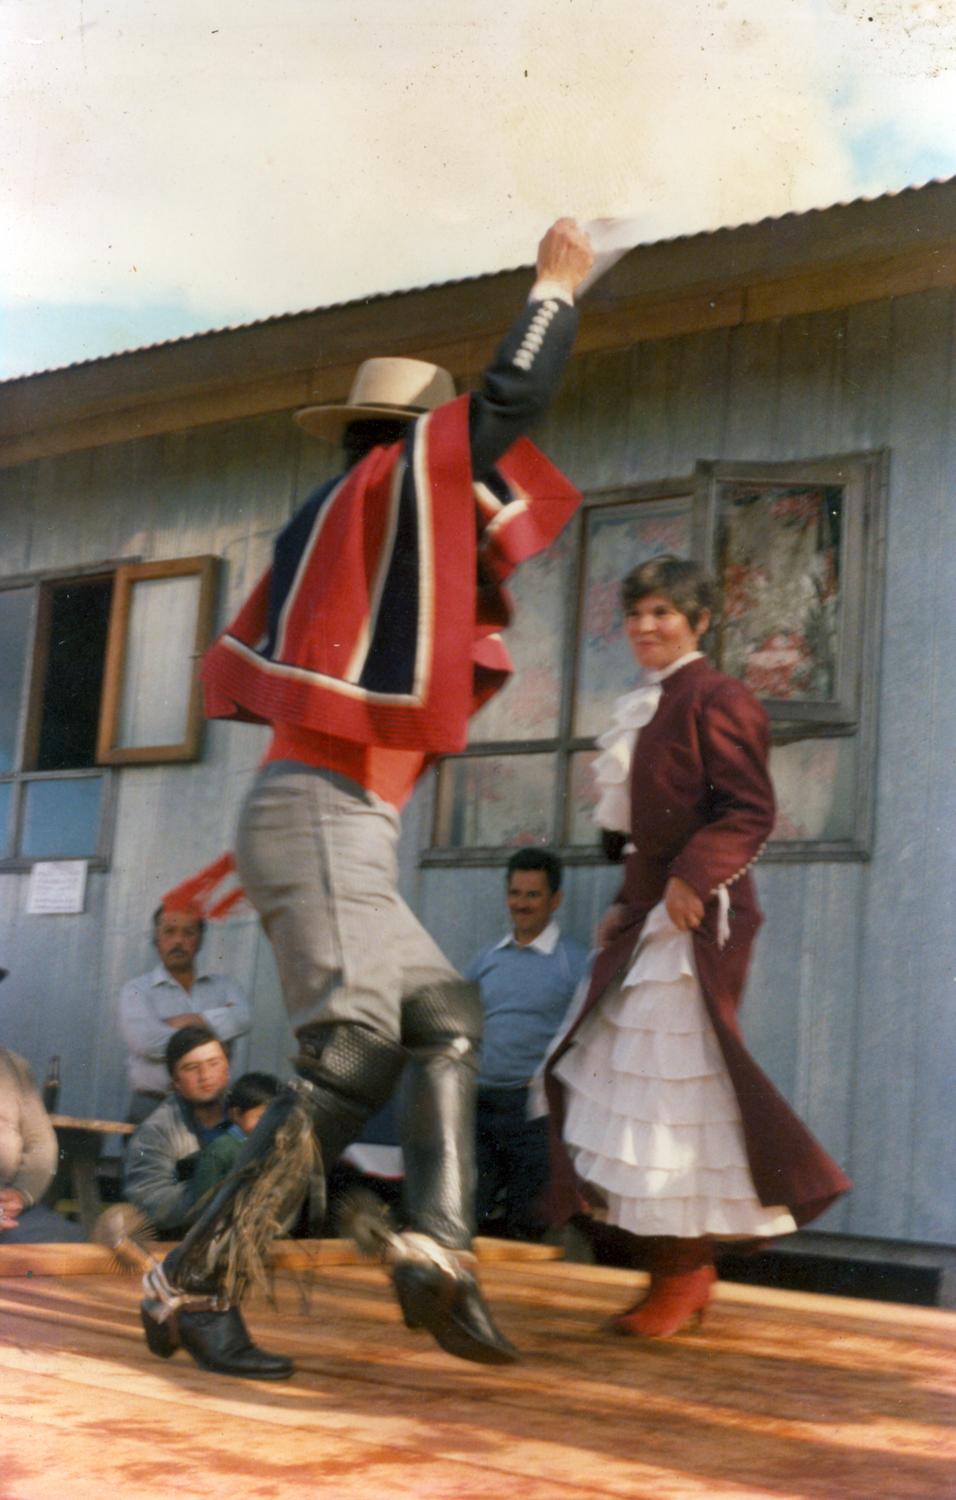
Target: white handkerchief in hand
610	240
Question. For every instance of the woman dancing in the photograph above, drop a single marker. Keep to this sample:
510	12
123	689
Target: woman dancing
671	1126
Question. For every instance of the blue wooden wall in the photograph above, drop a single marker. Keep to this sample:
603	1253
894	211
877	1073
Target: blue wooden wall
852	1003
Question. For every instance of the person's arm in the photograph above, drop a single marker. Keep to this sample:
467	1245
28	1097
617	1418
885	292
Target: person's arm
143	1032
151	1180
474	970
611	924
578	963
523	377
735	743
38	1157
227	1012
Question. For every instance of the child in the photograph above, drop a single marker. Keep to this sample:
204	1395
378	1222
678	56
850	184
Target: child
247	1099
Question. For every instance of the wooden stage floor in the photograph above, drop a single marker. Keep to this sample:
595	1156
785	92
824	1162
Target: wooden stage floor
781	1395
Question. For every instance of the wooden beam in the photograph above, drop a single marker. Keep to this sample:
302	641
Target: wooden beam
287	1255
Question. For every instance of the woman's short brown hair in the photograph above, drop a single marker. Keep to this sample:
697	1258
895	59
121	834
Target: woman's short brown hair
688	585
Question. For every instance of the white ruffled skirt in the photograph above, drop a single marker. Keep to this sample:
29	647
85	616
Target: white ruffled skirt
651	1117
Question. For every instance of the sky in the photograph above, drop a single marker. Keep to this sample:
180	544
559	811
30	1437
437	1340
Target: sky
170	168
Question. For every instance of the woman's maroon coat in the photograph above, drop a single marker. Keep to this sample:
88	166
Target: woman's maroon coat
702	808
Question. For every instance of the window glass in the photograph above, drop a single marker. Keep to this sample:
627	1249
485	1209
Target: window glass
527	706
582	800
780	570
496	801
815	785
79	614
618	538
158	667
794	546
61	817
15	610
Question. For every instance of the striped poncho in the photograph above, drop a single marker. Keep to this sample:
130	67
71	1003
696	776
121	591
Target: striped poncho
378	621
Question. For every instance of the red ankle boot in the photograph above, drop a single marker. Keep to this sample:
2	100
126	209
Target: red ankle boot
682	1275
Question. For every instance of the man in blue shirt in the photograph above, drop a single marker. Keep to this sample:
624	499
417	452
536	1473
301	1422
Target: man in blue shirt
527	982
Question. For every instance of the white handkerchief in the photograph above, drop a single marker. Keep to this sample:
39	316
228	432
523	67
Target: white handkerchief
610	240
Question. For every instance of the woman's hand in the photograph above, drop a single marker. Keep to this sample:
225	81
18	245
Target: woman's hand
684	906
611	924
12	1205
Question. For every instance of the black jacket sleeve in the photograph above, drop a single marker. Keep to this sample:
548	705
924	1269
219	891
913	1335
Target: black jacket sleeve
522	379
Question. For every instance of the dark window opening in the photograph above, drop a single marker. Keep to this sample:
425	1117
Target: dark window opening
73	678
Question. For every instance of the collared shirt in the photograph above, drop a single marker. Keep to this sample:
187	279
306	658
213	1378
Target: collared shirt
545	942
526	989
147	1003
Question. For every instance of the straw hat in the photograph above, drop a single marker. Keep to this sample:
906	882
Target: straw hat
381	388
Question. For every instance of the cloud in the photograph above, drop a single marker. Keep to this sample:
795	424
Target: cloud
274	155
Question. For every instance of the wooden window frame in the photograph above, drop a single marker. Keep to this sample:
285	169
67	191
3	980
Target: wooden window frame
108	751
853	711
108	755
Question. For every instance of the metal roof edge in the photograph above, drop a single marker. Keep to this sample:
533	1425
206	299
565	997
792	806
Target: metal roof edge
277	319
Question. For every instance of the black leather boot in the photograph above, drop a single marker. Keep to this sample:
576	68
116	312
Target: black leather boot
226	1247
453	1310
346	1074
190	1300
216	1337
220	1341
441	1029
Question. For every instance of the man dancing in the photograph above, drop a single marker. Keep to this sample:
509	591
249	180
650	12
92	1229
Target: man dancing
366	647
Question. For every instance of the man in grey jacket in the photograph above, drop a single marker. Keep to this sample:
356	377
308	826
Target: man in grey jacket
161	1155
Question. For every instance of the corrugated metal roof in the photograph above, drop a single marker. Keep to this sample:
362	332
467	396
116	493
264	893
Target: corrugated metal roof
287	317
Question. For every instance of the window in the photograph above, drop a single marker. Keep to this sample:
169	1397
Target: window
77	654
796	548
161	624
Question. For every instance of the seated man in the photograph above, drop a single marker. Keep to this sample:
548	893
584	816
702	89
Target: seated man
28	1158
162	1154
527	981
178	992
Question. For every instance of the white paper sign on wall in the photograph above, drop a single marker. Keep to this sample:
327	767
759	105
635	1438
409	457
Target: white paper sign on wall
56	886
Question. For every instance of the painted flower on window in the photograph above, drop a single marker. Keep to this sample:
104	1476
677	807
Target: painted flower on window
780	555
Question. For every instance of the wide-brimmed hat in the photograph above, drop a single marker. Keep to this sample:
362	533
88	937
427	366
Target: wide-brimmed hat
387	387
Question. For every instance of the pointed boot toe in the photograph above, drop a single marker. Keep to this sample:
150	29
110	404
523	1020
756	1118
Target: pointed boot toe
453	1311
219	1341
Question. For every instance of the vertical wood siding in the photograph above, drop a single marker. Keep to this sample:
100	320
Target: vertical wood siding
852	999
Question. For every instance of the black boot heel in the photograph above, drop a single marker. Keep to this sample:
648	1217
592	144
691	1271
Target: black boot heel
162	1339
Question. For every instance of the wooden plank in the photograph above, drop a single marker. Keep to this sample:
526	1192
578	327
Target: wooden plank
287	1255
97	1127
780	1397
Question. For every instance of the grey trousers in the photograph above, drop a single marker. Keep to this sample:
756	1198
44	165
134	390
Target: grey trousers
316	854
